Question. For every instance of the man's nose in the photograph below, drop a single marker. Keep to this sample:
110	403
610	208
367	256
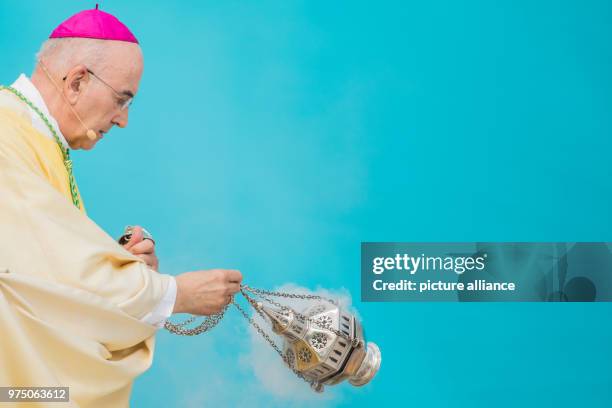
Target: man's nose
121	120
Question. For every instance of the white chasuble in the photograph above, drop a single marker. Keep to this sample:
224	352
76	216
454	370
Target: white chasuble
70	296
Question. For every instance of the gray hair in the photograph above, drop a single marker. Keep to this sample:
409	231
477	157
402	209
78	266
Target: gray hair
61	54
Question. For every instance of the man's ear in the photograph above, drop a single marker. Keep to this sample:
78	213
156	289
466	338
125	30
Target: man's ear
75	83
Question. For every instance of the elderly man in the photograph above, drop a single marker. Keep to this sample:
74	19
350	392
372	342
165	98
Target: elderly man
77	309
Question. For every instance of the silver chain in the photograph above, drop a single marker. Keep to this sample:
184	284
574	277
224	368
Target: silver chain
271	343
210	322
288	295
260	293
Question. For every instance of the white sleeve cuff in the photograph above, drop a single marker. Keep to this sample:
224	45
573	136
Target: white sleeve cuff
158	316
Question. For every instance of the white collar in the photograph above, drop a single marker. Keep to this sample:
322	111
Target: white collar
27	88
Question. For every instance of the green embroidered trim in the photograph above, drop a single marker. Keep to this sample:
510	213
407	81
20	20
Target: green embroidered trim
65	151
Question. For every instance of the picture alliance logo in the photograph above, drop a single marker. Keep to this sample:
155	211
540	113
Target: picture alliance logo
414	264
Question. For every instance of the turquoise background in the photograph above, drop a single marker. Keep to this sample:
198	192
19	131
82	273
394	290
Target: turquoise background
274	137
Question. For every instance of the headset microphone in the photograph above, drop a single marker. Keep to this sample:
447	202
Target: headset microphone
90	132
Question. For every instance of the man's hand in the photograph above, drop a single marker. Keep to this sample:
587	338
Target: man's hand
206	292
142	248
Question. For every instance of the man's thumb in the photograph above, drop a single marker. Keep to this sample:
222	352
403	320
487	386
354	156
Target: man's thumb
136	237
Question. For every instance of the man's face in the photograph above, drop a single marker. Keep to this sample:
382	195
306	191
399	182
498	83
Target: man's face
100	101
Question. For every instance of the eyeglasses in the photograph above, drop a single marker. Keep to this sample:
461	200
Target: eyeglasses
124	99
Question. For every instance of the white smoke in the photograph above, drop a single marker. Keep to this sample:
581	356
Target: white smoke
268	367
